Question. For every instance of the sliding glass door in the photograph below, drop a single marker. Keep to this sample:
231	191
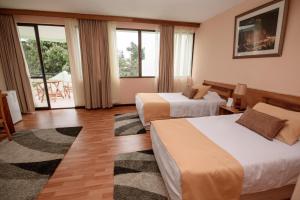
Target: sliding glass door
46	54
31	47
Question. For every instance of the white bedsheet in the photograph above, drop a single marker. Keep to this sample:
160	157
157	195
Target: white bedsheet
267	164
181	106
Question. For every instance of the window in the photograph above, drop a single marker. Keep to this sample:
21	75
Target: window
128	53
138	52
183	53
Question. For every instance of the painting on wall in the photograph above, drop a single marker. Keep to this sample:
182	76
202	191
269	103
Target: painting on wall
260	31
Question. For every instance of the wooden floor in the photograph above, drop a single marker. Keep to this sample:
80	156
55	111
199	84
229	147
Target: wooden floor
86	172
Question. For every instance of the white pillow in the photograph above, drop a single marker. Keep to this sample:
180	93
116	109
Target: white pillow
212	96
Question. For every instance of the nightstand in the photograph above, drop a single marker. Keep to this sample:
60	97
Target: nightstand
224	110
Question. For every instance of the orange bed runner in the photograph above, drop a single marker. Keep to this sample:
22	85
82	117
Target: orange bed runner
155	107
207	171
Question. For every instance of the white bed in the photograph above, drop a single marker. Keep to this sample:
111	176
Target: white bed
267	164
181	106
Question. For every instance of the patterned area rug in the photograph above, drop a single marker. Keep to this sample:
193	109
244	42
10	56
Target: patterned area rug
27	162
128	124
137	176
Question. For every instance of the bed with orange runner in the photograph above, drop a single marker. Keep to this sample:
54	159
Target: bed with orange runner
218	159
158	106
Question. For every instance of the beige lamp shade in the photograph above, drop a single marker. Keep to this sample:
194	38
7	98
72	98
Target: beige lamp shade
240	89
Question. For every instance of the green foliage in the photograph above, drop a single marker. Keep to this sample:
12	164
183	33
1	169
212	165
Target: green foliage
130	66
32	59
55	57
56	60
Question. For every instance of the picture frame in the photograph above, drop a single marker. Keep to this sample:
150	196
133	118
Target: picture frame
260	32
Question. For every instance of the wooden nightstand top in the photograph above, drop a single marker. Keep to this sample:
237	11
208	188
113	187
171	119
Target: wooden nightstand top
229	110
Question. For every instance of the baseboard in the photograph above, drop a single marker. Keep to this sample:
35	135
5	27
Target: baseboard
83	107
79	107
127	104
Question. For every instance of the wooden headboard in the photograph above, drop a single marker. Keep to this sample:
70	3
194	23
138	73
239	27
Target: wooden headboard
281	100
254	96
224	90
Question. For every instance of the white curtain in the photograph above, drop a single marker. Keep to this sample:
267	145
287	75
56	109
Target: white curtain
156	52
183	54
72	36
114	62
156	67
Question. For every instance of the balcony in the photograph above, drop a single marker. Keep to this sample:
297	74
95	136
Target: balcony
59	89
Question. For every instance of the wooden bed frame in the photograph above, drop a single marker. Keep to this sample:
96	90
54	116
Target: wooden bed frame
282	193
254	96
224	90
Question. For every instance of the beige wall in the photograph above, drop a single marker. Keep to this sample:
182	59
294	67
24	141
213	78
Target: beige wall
130	86
2	82
214	47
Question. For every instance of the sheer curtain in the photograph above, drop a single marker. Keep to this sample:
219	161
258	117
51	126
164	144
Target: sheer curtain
114	62
72	35
183	54
156	59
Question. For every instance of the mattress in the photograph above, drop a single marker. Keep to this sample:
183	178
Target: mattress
266	164
181	106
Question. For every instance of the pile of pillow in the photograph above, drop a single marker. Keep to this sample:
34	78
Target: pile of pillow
272	122
196	92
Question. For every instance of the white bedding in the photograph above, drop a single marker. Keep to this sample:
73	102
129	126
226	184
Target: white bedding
181	106
267	164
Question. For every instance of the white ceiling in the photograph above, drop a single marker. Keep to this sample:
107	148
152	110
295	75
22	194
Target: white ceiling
180	10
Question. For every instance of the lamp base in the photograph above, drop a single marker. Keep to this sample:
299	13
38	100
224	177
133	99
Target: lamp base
239	103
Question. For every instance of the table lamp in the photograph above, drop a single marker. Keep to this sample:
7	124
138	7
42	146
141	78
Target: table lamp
239	96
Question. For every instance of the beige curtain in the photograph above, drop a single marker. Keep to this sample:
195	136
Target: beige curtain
166	54
95	63
13	64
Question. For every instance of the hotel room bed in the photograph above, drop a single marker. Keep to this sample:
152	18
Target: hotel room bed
181	106
266	164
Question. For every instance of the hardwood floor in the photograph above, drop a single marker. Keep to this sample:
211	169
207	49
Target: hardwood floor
86	172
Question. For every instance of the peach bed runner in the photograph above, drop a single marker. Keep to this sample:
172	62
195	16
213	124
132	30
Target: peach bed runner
155	107
207	171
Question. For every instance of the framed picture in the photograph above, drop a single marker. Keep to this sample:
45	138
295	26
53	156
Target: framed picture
260	32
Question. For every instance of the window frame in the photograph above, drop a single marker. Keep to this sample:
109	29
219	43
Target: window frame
192	63
139	51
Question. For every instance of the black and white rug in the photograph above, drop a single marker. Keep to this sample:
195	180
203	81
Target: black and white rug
137	176
27	162
128	124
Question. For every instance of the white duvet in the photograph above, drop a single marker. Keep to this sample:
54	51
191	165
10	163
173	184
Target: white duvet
267	164
181	106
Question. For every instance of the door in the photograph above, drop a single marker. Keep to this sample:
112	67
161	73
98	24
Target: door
46	54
